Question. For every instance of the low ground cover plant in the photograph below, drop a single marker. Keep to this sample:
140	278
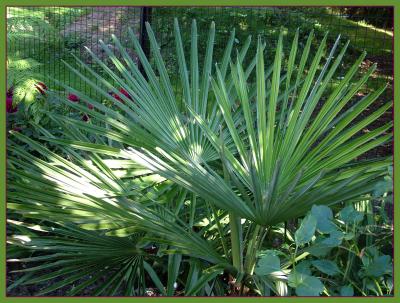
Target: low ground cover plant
246	184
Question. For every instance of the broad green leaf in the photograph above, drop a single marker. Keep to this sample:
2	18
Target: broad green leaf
305	285
347	291
322	246
306	230
304	267
267	263
335	238
349	236
378	267
350	216
324	217
326	266
384	186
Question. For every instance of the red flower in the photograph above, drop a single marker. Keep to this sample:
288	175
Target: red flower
125	93
85	118
73	98
17	129
115	96
9	105
118	98
41	87
90	106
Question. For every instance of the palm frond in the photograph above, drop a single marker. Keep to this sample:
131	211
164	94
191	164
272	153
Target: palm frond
256	143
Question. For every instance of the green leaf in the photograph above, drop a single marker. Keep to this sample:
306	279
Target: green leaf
322	245
305	285
382	187
335	238
206	276
193	275
268	263
389	283
350	216
347	291
349	236
306	230
326	266
324	217
378	267
174	262
304	267
154	277
283	154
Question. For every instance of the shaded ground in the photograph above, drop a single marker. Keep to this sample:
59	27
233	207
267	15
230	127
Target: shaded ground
100	24
94	24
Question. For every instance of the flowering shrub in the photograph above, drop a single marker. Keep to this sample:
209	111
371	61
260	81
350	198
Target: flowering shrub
73	98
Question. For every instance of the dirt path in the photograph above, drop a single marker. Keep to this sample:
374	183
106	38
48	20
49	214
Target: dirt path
101	23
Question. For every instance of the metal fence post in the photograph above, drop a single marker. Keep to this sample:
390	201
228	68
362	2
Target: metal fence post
145	16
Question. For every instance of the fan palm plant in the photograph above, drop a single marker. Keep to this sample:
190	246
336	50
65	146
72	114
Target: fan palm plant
204	182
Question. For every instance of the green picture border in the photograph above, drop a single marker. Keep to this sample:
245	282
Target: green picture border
394	3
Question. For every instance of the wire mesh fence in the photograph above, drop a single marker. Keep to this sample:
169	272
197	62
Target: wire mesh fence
267	22
53	36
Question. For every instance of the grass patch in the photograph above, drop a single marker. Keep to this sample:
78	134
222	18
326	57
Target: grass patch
267	22
363	36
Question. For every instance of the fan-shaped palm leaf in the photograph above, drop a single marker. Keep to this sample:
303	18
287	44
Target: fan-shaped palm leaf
262	152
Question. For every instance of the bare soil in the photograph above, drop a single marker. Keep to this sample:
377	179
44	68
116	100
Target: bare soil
100	24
